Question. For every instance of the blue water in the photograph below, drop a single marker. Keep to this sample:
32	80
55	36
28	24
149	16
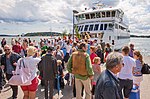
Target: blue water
141	44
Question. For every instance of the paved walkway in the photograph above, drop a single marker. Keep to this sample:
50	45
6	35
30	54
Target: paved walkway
66	93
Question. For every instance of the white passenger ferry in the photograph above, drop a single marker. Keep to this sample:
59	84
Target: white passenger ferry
105	25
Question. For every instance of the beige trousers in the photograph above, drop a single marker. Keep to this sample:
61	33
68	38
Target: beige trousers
87	87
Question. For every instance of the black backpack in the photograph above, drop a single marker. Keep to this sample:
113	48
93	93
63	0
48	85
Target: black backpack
145	69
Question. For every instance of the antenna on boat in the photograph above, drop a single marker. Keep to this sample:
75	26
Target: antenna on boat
98	4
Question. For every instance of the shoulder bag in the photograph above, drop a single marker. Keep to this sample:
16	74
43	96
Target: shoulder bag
21	75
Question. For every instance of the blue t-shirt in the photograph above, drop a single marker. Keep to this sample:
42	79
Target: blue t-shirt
138	68
88	49
9	66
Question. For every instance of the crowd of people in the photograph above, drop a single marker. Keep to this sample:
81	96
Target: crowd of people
83	60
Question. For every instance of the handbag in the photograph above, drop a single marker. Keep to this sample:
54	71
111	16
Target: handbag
3	78
21	75
145	69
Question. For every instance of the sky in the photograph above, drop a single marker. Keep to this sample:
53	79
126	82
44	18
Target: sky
22	16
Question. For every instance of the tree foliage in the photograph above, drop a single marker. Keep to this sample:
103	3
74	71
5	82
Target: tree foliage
77	32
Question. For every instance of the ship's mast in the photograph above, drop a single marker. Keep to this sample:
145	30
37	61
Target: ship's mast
98	5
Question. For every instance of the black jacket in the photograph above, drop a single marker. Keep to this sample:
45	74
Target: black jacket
48	67
107	87
13	58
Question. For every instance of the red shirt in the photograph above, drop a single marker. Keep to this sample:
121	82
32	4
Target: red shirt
92	56
16	48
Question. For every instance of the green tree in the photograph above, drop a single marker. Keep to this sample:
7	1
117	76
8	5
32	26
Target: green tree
64	33
77	32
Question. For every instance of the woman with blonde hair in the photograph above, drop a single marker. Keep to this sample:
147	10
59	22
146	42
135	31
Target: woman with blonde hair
137	75
30	62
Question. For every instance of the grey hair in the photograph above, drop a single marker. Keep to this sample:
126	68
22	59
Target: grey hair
113	59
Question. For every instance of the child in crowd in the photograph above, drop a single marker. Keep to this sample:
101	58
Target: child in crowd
60	73
60	68
97	71
137	75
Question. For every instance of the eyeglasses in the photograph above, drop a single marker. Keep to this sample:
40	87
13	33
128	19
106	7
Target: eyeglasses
6	49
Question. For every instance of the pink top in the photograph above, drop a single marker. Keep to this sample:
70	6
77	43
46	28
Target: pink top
92	56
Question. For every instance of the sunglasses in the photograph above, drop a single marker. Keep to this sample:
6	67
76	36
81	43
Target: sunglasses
123	64
6	49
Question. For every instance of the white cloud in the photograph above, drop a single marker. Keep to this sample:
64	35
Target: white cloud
138	14
44	15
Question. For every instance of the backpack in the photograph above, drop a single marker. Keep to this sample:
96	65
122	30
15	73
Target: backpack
21	75
145	69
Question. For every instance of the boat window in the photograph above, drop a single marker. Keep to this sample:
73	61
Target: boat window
119	27
110	27
105	26
98	15
81	27
108	14
101	28
117	37
81	17
87	16
116	26
86	27
103	14
117	14
77	17
92	15
109	37
113	13
96	27
91	28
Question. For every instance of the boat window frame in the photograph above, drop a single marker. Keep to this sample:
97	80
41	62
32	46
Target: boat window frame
92	16
90	27
113	14
82	27
101	27
105	26
79	28
98	16
116	26
86	27
110	26
86	16
109	38
108	14
103	14
95	29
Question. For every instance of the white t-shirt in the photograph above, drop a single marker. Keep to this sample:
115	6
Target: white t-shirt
68	48
31	63
126	71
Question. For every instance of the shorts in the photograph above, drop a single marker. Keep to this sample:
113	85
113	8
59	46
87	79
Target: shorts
32	87
126	85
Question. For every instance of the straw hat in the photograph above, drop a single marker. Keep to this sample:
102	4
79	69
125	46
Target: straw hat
31	50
